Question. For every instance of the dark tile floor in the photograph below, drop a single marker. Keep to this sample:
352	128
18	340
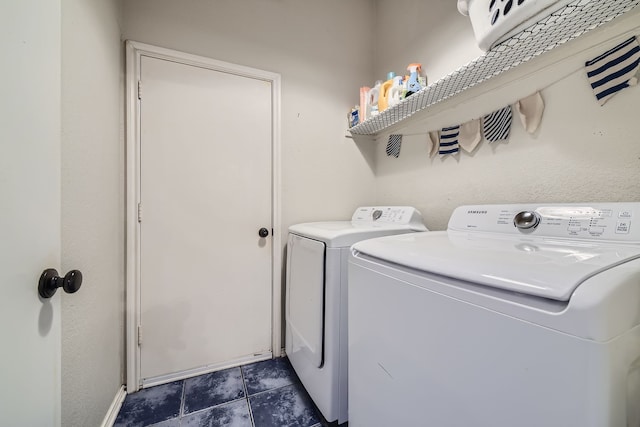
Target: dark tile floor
262	394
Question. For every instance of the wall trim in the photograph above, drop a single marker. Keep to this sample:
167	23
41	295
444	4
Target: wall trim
114	409
134	52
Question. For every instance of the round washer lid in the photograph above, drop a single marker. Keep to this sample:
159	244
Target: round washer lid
548	269
346	233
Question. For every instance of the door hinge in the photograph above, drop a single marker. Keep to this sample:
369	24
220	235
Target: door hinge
139	212
139	89
139	336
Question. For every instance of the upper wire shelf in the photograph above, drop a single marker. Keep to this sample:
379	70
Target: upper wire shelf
562	26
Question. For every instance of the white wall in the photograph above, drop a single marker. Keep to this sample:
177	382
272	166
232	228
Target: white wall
432	33
92	208
582	151
323	53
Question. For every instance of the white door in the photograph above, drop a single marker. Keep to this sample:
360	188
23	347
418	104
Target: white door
205	192
29	211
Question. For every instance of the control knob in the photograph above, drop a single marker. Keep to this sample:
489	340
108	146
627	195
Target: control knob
526	220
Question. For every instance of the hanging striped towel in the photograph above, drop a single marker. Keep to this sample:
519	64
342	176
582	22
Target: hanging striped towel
393	145
449	140
497	125
614	70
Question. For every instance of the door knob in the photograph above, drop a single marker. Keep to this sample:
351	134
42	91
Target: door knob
263	232
50	282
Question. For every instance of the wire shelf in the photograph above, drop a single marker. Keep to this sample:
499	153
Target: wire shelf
562	26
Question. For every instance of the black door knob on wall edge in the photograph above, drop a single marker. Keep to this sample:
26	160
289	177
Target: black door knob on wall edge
263	232
50	282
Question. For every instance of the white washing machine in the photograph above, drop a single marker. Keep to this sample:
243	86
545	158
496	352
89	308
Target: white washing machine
316	292
517	315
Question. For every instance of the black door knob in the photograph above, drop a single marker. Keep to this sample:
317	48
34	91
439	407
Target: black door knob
263	232
50	282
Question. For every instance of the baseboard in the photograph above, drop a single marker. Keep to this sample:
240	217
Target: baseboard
112	413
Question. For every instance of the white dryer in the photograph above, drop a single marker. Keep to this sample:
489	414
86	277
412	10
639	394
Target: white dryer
517	315
316	292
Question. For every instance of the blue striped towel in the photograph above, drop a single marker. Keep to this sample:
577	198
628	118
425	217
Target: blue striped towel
449	140
614	70
393	145
497	125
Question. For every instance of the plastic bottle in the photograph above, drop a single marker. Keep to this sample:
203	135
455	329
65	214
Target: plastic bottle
372	99
396	93
364	103
383	99
354	116
414	85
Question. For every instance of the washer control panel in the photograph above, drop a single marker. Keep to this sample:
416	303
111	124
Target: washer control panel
398	215
591	221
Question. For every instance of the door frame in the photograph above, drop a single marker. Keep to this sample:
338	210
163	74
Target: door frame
134	53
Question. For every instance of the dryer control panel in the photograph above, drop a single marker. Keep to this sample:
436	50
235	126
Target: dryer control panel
619	222
389	215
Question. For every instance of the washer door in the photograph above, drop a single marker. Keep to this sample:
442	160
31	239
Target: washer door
305	297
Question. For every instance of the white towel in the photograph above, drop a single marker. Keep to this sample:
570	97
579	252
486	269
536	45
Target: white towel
434	136
530	110
470	135
614	70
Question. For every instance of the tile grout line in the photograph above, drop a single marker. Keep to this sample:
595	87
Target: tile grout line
208	408
246	396
183	398
276	388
